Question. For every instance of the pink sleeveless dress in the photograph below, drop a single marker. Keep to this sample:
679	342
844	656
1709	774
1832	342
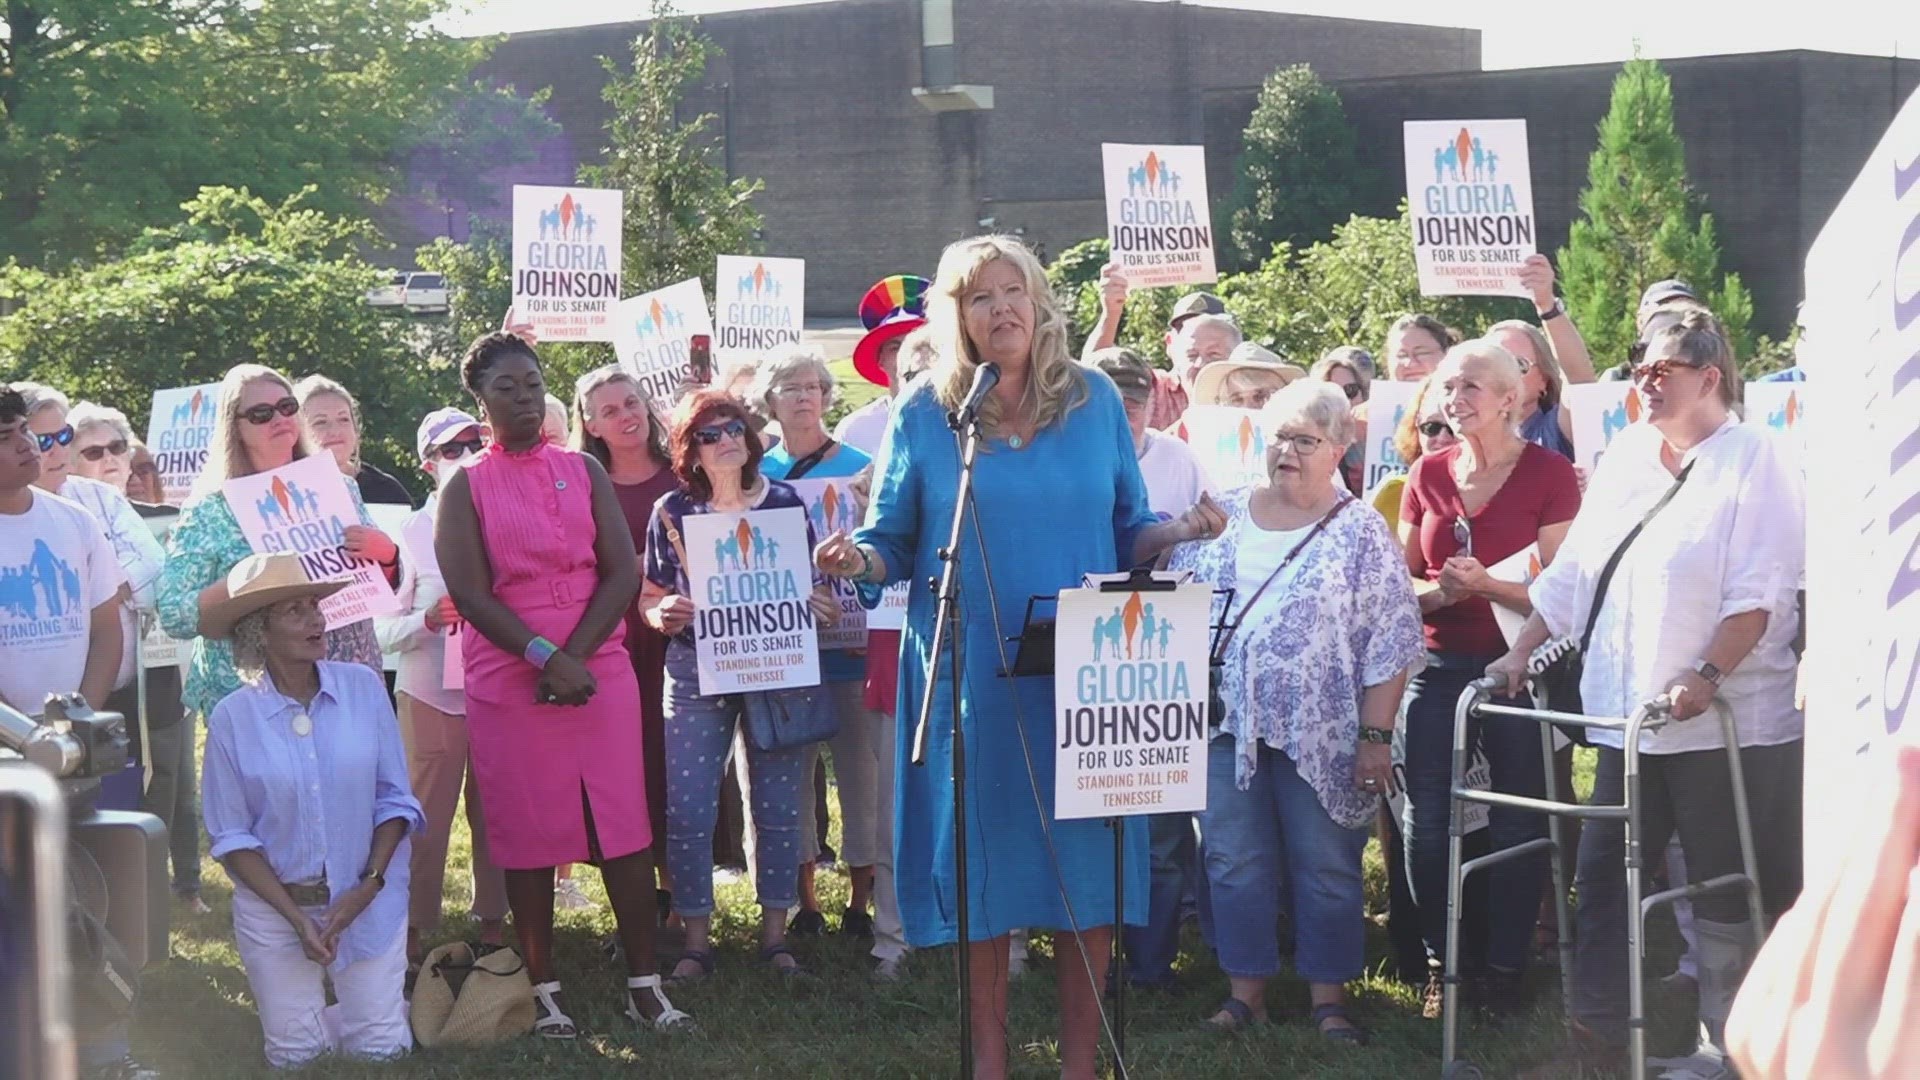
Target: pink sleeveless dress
536	763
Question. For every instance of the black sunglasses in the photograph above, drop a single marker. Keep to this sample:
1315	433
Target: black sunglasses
100	450
62	437
263	414
1432	428
713	433
1352	390
459	448
1463	534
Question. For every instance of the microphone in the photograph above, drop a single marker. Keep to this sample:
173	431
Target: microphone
985	378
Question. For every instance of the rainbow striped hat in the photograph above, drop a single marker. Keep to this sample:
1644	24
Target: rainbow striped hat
894	307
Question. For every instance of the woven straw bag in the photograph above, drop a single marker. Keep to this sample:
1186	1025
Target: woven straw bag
461	1000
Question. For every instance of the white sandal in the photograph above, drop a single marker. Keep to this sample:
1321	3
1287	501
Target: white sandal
670	1018
552	1023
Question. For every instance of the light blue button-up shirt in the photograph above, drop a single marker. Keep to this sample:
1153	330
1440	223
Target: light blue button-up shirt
310	803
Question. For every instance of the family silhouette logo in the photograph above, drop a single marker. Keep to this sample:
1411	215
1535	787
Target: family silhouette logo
659	319
1131	632
1629	411
194	411
1151	178
758	285
43	587
287	504
835	510
745	548
567	220
1463	159
1243	442
1787	415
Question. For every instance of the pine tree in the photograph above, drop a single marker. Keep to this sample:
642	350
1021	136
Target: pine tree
681	208
1641	222
1295	178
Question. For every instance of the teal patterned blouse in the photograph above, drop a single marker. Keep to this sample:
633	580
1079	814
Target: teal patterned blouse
204	547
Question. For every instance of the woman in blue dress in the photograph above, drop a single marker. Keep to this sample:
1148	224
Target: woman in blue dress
1058	495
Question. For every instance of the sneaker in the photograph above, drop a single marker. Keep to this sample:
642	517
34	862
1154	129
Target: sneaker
857	924
890	970
808	922
567	896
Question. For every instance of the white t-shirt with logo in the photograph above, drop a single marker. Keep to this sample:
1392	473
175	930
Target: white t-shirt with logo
56	566
1175	478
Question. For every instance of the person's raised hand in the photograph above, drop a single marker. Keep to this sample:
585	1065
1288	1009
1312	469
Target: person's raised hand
1113	287
838	556
521	328
1536	275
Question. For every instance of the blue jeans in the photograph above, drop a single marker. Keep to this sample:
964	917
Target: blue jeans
1512	748
699	733
1274	837
1151	949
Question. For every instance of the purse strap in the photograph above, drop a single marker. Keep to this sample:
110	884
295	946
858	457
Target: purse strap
1613	561
1227	632
806	464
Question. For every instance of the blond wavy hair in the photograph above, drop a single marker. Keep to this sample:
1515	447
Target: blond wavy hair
226	454
1055	385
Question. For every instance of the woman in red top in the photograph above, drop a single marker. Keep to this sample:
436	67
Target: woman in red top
1472	506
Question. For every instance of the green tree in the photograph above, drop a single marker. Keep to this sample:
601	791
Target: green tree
114	112
1295	177
1642	222
239	279
682	209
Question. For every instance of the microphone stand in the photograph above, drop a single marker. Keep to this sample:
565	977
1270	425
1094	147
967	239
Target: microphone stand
946	632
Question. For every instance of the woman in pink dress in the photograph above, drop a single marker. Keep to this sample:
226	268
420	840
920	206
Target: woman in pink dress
540	564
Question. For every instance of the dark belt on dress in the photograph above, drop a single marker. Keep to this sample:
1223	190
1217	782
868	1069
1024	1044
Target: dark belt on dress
309	895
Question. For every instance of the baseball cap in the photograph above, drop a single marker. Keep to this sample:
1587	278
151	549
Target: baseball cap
440	426
1661	291
1198	303
1130	374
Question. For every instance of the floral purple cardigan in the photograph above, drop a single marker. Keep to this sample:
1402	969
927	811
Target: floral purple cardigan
1341	618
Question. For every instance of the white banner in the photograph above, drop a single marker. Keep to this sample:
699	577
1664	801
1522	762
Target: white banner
1861	347
1229	444
831	507
305	508
757	304
1470	197
1600	411
751	575
566	261
653	332
1130	693
1387	405
179	431
1159	222
892	612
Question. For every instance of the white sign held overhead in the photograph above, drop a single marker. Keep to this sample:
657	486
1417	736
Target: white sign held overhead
1470	198
758	304
1159	222
566	261
179	431
653	335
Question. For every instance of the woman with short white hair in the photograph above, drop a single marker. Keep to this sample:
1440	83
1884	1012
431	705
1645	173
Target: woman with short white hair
102	444
1315	651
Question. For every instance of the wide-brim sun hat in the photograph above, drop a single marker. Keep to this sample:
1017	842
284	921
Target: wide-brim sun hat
1245	357
258	581
893	308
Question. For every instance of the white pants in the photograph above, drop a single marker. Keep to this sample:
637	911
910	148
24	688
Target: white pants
290	993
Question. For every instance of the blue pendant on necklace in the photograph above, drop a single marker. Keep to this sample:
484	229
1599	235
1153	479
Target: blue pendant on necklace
1016	441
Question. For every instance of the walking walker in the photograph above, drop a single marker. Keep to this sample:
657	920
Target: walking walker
1477	703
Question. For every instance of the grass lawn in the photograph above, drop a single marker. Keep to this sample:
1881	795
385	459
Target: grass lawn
197	1019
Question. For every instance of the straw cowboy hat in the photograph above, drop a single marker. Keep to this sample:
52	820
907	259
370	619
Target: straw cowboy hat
1246	356
256	582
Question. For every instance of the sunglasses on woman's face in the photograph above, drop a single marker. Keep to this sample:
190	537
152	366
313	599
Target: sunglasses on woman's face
1659	370
1433	429
1352	390
263	414
713	433
100	450
459	448
63	437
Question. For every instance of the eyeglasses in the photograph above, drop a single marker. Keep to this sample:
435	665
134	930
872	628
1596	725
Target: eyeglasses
62	437
713	433
263	414
459	448
1302	445
100	450
1658	370
146	468
1433	429
1352	390
1463	535
794	391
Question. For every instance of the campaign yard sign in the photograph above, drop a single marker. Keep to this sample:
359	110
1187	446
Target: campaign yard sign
1130	702
653	335
1387	405
179	431
1600	411
751	575
1159	222
1229	442
566	261
1470	197
831	508
1780	406
305	508
757	304
892	612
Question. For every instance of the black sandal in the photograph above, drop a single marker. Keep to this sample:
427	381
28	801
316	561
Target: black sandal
704	958
770	953
1239	1016
1350	1034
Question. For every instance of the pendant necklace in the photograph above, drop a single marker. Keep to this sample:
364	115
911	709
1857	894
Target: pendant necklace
1016	441
302	725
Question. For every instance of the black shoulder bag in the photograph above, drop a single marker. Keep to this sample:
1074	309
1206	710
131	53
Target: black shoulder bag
1217	659
1556	667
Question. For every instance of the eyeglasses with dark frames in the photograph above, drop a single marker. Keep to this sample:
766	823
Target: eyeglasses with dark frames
258	415
100	450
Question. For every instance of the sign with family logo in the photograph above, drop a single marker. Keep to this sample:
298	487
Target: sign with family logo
1779	405
1387	405
1159	222
1600	411
1470	197
653	335
1229	443
751	576
1130	702
757	304
305	508
566	261
831	508
179	431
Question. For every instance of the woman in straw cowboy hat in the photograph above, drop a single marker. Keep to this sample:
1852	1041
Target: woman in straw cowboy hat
307	806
